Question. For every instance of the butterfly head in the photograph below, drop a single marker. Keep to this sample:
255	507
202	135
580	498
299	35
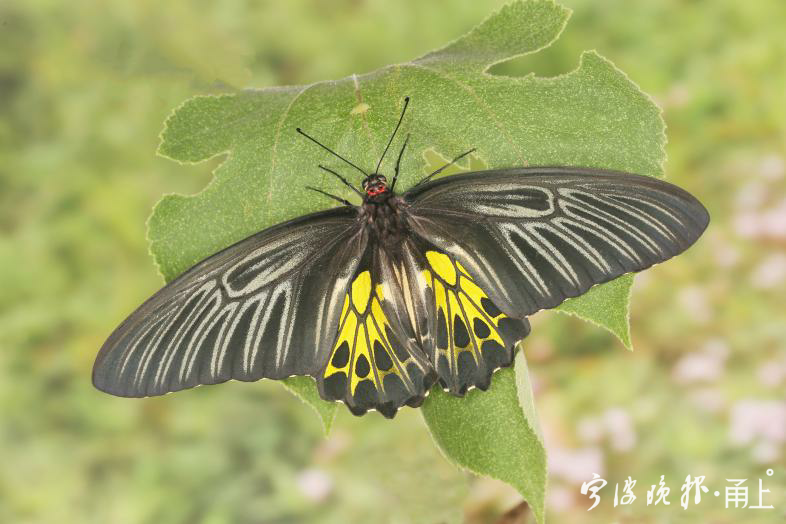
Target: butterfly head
375	185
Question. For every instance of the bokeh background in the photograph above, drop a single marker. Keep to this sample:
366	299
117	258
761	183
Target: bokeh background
84	89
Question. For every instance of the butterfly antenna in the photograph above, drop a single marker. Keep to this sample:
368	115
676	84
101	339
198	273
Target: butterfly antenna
326	148
334	197
403	112
462	155
398	162
343	180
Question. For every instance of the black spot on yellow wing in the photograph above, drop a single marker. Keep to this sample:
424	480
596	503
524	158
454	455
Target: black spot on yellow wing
480	328
489	307
442	330
382	357
362	366
460	333
369	367
473	336
341	356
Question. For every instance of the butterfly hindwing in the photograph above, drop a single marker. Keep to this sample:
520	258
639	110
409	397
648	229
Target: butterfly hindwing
473	336
532	237
409	318
374	363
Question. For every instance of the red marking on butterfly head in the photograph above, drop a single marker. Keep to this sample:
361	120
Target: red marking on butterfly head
375	184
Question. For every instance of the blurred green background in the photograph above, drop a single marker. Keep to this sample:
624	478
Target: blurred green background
84	89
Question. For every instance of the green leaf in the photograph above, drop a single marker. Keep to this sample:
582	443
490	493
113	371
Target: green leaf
525	395
305	388
494	432
607	306
593	116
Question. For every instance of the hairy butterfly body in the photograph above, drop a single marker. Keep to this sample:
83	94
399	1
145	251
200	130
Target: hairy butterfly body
380	301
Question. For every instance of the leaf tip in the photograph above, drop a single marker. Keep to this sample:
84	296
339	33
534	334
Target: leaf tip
304	388
606	306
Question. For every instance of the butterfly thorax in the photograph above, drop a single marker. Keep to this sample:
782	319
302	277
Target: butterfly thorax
383	217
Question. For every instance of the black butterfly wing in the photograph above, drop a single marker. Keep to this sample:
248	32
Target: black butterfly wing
533	237
267	306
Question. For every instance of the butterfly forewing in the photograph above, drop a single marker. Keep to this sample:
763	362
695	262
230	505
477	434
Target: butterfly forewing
533	237
267	306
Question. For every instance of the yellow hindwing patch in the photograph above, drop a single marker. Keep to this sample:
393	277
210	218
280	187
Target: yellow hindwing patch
363	350
467	320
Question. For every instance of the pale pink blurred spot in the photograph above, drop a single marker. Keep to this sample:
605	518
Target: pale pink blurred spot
752	195
536	383
716	347
539	349
314	484
693	300
706	365
722	248
708	399
561	499
766	452
772	167
615	424
758	419
333	446
726	256
590	430
771	373
575	465
551	434
769	223
747	224
678	95
619	427
773	221
771	272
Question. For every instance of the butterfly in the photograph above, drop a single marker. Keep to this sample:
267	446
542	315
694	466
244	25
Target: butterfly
380	301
